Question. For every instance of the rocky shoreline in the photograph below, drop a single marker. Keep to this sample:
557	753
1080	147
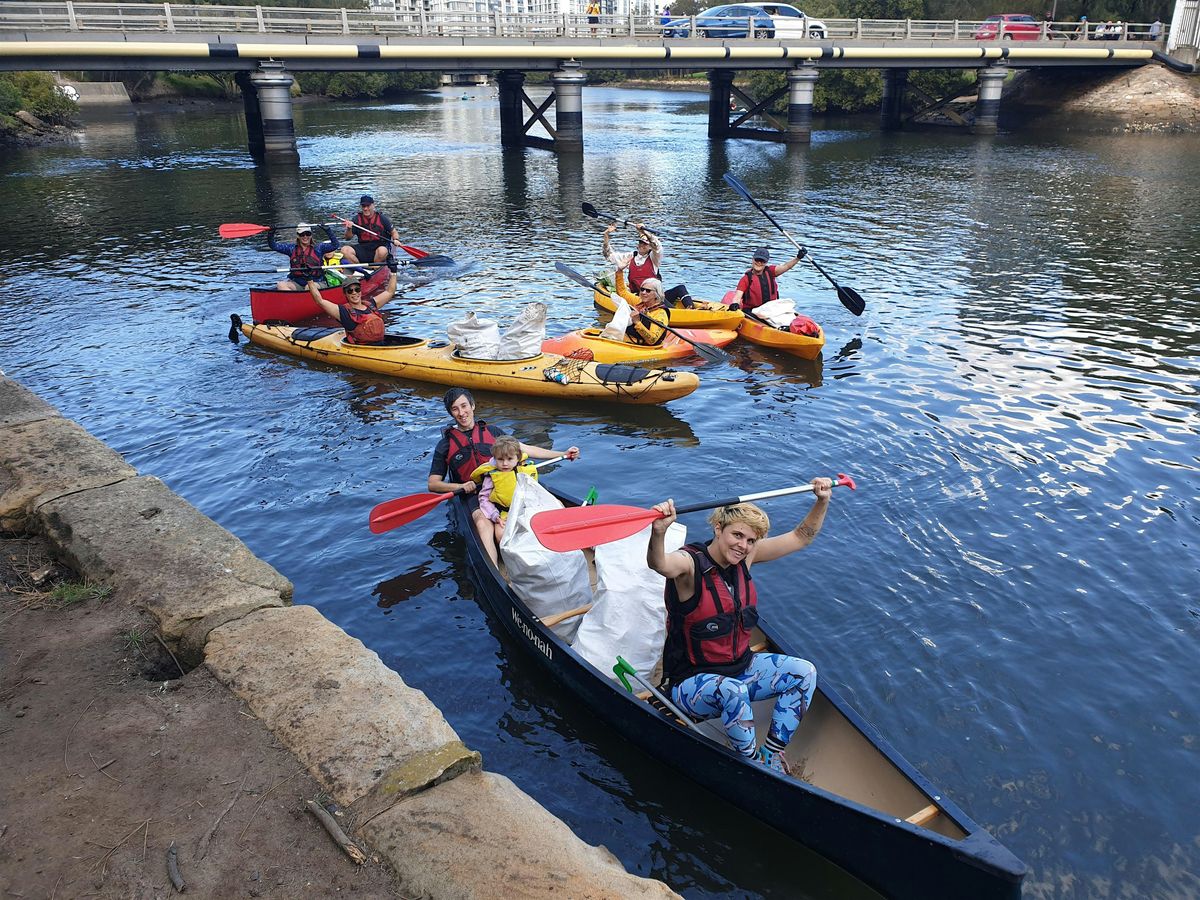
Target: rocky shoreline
414	800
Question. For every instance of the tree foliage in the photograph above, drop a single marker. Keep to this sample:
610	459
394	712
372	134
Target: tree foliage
35	92
350	85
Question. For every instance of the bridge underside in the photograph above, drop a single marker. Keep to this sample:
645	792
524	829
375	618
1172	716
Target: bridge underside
264	68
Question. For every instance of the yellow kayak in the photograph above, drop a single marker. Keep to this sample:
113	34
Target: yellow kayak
606	350
717	317
762	333
438	362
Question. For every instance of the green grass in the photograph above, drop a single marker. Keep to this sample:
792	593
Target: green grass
135	640
71	592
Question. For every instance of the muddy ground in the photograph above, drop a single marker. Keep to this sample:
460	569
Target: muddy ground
108	756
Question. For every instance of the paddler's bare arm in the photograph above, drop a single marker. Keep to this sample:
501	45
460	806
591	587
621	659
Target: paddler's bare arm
804	533
438	486
532	452
388	293
677	565
330	309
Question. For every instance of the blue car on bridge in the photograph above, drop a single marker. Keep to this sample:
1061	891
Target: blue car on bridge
733	21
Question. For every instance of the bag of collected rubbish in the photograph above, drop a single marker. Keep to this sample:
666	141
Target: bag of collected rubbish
804	325
628	617
615	330
476	338
548	582
778	312
524	337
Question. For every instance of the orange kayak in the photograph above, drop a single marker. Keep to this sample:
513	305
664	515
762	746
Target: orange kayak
759	332
605	350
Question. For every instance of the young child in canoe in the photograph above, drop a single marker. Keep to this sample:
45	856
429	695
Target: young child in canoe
497	482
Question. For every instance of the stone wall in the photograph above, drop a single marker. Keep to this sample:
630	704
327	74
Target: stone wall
416	794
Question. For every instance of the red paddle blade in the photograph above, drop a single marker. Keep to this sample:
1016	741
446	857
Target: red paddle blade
402	510
576	527
414	252
241	229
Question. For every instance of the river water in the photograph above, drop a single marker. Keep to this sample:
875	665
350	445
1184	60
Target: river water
1010	596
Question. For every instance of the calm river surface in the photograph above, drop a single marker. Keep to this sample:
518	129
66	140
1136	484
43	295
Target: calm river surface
1012	594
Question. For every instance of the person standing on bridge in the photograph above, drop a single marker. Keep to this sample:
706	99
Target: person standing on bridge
593	15
376	235
642	263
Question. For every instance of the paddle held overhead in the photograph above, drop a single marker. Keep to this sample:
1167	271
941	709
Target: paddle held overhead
850	298
577	527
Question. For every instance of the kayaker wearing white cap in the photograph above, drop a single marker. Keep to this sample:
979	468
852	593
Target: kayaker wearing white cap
758	285
306	257
643	263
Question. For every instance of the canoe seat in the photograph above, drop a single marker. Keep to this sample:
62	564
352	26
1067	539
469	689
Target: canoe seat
924	817
308	335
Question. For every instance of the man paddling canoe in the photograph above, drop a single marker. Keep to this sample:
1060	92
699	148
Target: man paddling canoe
711	601
465	446
758	285
375	232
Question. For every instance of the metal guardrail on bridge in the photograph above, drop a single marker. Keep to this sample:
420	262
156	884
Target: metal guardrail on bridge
171	18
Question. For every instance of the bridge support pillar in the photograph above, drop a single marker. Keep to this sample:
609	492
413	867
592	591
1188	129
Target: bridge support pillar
987	107
568	84
254	127
802	81
273	85
512	126
720	88
894	83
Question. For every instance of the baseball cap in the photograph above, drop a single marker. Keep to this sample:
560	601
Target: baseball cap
763	254
366	200
304	227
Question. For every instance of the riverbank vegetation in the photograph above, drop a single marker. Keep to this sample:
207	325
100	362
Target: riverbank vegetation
34	94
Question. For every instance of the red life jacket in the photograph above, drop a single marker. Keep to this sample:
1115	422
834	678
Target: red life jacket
306	261
711	631
363	326
374	225
759	288
640	272
467	452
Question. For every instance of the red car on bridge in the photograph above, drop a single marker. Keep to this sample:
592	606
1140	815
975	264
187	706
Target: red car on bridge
1010	27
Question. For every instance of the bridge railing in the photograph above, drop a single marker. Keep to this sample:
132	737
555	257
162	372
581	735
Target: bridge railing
175	18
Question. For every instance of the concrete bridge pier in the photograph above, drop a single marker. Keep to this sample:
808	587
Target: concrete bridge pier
511	87
272	133
802	81
568	84
895	81
987	107
720	92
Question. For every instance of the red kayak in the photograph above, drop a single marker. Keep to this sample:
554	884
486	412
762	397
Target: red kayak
270	305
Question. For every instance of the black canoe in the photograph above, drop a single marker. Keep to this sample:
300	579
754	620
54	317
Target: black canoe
860	804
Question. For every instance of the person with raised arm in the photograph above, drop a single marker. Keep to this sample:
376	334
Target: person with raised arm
709	666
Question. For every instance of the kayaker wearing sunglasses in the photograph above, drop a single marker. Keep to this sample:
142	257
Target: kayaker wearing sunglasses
359	316
708	665
643	263
375	233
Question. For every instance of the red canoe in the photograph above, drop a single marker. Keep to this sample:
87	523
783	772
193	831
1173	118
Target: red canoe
270	305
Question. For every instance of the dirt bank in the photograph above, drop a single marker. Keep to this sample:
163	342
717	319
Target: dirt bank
110	757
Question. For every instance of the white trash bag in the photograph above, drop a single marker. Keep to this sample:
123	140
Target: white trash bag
778	312
548	582
524	337
615	330
476	338
629	616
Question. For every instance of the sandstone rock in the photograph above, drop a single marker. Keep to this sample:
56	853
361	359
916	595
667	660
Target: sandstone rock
185	569
479	837
19	405
44	459
31	120
1149	98
360	730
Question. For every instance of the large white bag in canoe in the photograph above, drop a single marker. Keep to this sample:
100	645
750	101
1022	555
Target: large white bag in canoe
615	329
548	582
524	337
778	312
476	338
628	617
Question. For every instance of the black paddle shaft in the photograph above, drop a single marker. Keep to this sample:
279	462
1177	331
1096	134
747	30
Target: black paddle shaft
591	211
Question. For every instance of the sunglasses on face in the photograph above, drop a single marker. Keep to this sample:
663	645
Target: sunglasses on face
352	289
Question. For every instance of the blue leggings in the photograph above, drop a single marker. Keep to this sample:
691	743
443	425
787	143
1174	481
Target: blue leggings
789	678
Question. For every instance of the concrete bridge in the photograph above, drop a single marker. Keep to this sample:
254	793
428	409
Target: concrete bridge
263	45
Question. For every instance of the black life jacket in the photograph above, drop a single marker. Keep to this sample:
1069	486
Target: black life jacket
711	631
306	262
467	452
760	288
